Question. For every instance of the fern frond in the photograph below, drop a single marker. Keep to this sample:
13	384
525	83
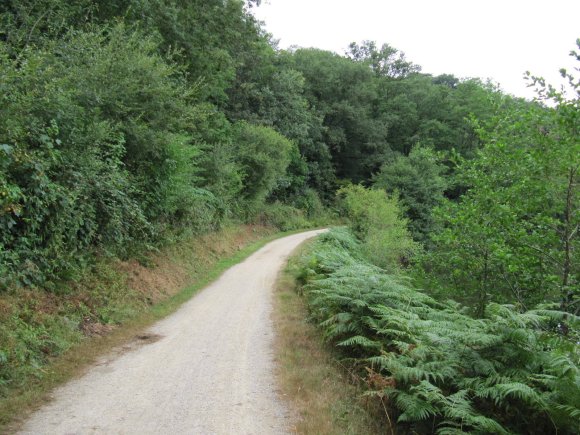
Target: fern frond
414	408
359	340
505	371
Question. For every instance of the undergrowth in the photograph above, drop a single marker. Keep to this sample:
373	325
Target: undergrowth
433	366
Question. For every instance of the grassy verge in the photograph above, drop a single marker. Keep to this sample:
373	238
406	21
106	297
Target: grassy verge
321	393
108	307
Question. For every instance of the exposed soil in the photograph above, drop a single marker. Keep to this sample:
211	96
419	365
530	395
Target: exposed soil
164	277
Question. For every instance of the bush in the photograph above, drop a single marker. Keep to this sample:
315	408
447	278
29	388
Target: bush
263	155
94	151
282	216
376	219
310	202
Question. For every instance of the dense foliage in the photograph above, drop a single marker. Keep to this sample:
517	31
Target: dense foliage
436	368
513	236
85	164
376	220
110	134
124	123
419	179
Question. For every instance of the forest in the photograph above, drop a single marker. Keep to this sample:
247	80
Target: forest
454	287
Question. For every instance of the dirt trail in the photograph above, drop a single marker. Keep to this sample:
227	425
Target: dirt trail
206	369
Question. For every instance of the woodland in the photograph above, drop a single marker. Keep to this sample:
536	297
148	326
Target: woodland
453	287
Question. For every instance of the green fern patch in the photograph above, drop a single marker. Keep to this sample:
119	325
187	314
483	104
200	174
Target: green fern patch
436	367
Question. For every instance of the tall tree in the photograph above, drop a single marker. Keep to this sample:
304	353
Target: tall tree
386	61
344	93
419	180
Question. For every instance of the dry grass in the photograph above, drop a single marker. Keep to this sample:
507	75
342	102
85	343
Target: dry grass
167	274
319	391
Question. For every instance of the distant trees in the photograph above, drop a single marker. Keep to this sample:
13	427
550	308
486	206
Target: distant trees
420	181
342	92
386	61
376	102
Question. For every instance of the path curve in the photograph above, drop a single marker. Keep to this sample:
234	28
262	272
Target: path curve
207	368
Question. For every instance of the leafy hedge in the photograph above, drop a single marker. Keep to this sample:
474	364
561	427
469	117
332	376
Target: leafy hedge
435	367
101	150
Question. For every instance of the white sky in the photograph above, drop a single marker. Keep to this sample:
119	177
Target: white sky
488	39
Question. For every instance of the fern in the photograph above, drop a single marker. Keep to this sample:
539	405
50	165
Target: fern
442	368
414	407
359	340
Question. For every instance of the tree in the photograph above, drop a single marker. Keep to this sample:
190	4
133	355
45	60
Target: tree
419	180
263	155
90	166
513	236
280	103
385	62
344	93
29	22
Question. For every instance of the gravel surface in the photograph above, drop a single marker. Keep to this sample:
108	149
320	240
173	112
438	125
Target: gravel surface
206	369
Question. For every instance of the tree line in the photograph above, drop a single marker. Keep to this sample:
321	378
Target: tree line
127	124
124	123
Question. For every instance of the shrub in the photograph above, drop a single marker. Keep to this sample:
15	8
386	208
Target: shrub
310	202
376	219
95	151
263	155
282	216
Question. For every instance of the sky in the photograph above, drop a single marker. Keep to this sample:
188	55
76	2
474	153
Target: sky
470	38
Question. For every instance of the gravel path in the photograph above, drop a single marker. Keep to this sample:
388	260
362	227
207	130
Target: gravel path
206	369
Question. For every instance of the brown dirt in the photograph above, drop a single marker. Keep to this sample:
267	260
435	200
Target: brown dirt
167	277
154	284
94	329
168	272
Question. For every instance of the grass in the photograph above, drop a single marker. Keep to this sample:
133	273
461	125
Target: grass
131	296
322	394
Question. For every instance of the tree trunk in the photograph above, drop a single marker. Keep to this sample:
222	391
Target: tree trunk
570	230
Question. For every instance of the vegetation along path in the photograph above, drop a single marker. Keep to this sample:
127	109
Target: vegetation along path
208	368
